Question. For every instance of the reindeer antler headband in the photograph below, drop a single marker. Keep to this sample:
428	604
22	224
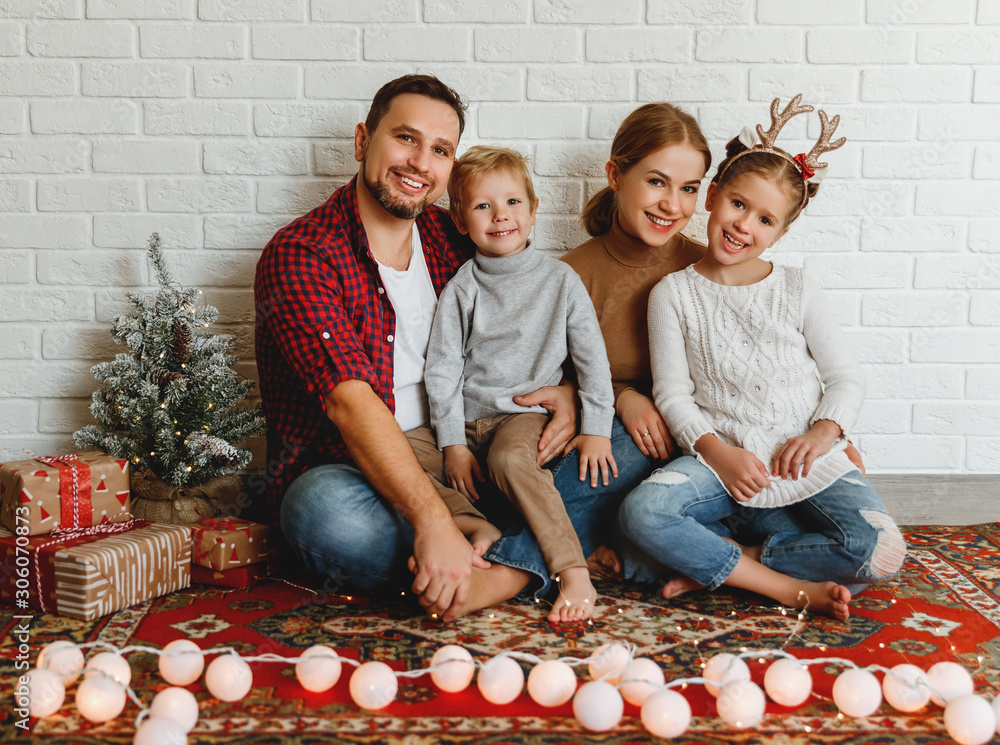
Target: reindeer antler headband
806	164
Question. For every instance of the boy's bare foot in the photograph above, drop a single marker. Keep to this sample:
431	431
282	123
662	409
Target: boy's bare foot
576	596
605	564
828	598
483	538
480	533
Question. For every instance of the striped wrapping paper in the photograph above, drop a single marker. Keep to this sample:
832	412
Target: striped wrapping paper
86	578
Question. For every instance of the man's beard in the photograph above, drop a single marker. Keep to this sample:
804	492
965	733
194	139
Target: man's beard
394	206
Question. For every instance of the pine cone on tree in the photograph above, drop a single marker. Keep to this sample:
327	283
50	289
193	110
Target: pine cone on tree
163	377
183	340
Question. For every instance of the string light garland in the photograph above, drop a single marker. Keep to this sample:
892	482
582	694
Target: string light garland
617	675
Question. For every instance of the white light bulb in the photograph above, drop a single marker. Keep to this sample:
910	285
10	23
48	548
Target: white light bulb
551	683
500	680
857	693
181	662
374	686
909	694
598	706
99	698
178	704
725	668
788	682
63	658
113	664
970	720
740	704
318	669
608	658
456	670
640	679
160	731
46	692
228	678
666	713
948	680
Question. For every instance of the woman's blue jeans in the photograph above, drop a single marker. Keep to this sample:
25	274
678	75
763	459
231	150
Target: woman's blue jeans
675	521
340	527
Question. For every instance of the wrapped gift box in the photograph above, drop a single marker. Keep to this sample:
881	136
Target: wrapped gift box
226	543
88	573
62	492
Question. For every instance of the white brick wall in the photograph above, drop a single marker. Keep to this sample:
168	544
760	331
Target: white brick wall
214	122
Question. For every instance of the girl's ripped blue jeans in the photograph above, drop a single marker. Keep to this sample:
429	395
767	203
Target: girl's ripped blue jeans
676	521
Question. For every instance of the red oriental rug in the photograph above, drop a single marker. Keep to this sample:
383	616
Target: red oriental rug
944	605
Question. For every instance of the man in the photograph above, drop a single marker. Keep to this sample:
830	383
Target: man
344	298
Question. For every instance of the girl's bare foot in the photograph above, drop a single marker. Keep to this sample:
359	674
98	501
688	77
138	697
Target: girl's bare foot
828	598
576	596
605	564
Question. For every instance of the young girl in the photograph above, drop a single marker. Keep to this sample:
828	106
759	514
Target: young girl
759	387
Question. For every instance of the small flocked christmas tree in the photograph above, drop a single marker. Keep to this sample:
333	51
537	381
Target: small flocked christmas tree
169	404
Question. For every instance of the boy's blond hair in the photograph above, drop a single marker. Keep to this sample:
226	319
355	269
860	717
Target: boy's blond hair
480	160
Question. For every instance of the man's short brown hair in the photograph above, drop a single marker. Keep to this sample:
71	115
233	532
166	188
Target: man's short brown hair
421	85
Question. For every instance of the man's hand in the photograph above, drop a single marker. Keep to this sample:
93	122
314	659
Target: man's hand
560	401
595	456
460	466
644	423
740	471
442	562
799	453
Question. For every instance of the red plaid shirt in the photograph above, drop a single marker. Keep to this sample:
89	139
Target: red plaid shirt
322	318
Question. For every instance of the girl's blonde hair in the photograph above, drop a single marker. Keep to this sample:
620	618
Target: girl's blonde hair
649	128
476	163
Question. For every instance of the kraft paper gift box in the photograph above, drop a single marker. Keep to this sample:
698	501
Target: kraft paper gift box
225	543
90	572
64	491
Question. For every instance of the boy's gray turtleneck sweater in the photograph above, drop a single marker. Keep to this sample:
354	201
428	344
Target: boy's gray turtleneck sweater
503	327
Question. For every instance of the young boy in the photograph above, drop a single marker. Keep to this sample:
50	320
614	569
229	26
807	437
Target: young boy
504	326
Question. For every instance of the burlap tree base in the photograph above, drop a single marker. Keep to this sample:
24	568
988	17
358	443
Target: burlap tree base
156	500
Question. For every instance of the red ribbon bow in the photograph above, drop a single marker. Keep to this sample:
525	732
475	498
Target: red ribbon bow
807	172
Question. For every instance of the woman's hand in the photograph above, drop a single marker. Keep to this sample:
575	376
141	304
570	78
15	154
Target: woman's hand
643	422
560	401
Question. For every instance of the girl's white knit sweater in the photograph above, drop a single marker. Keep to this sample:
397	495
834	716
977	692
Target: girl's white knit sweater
755	365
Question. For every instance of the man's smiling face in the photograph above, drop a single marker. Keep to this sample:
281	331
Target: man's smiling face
406	161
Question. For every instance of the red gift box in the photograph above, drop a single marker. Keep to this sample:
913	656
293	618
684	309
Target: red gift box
243	576
62	492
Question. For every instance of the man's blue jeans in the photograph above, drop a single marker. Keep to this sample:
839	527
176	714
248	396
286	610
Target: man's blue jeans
672	523
341	527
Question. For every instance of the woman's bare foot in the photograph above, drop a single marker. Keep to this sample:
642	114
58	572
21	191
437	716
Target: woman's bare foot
678	585
480	533
605	564
576	596
828	598
681	583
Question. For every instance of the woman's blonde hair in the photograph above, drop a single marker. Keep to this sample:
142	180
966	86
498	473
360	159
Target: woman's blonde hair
476	163
649	128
